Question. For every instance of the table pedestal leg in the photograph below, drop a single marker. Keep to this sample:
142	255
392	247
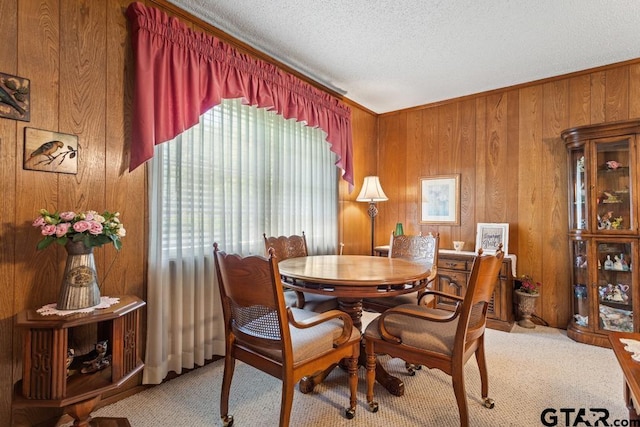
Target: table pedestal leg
353	307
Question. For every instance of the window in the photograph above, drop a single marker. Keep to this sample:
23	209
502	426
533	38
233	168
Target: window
241	172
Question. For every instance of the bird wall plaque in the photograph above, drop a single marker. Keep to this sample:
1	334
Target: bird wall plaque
50	151
15	97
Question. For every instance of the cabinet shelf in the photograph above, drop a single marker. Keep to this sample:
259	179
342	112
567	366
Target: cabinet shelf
617	305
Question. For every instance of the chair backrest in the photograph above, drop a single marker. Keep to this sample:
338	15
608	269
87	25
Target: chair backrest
284	247
252	300
418	248
480	287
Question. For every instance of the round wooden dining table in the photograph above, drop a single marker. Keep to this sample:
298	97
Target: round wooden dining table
350	278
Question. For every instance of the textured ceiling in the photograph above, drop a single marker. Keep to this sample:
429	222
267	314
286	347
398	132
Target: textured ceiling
388	55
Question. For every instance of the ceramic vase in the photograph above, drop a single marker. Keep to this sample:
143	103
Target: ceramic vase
526	307
80	282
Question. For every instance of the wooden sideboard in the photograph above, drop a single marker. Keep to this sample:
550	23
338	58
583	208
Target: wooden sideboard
453	274
46	381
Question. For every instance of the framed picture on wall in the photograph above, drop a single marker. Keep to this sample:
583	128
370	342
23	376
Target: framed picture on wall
490	236
440	199
49	151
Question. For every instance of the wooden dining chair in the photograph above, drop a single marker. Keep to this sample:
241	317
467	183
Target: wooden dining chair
286	342
294	246
438	338
417	248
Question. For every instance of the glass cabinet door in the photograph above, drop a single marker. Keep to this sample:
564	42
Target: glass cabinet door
615	285
580	283
577	189
613	185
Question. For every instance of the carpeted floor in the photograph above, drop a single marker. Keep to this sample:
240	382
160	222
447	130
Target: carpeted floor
530	370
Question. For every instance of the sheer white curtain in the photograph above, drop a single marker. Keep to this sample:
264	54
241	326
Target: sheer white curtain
242	171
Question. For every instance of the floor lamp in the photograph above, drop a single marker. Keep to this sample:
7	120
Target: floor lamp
372	192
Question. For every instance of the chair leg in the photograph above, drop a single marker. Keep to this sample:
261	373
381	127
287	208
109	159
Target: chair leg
227	376
286	402
352	368
457	377
411	368
484	377
371	374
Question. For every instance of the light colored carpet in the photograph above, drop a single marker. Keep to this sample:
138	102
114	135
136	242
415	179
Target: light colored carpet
529	370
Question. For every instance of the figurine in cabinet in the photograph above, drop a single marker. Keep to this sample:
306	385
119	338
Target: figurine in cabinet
612	164
604	221
617	264
101	360
608	264
616	224
70	355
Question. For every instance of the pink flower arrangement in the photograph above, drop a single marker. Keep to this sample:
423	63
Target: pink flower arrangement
527	285
90	227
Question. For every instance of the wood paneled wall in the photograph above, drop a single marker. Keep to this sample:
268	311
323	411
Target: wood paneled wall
506	146
78	58
77	55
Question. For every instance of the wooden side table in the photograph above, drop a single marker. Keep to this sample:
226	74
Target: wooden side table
45	382
630	372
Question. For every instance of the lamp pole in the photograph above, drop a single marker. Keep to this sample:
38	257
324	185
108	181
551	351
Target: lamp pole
372	211
372	192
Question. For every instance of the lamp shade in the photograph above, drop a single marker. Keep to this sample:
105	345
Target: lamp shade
371	191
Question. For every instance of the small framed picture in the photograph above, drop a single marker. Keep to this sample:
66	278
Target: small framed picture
49	151
490	236
440	200
15	97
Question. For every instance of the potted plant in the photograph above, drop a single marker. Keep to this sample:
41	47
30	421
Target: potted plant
526	293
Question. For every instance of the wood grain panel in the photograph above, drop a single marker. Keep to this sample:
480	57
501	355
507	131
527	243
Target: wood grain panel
598	97
82	108
530	202
392	175
617	94
465	161
9	368
634	91
481	155
554	218
513	151
495	159
579	100
413	169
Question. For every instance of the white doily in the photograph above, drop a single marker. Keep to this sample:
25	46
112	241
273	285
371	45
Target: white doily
632	346
50	309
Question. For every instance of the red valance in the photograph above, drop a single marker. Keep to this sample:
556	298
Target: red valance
180	74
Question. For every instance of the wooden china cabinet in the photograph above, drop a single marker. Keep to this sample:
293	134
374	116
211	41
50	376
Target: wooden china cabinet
603	230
